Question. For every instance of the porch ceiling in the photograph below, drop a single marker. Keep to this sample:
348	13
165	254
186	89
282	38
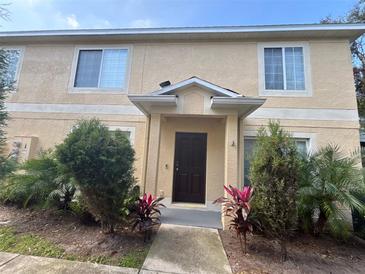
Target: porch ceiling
223	99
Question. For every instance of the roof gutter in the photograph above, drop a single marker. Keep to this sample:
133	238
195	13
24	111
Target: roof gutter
345	30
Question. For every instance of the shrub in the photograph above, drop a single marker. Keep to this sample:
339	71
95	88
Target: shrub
7	167
333	182
39	182
274	175
33	183
102	165
146	214
239	210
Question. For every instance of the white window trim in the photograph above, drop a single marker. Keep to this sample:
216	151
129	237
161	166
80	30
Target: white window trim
73	89
19	65
311	145
131	130
307	71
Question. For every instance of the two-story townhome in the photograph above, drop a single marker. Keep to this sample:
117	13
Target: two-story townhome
189	99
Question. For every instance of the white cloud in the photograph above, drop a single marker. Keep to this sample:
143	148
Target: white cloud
72	21
142	23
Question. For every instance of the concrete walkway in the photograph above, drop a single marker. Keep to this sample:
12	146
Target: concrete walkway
185	249
14	263
191	217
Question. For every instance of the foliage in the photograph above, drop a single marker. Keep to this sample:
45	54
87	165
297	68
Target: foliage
332	183
134	259
355	15
102	165
6	164
274	175
239	210
63	195
146	214
39	182
129	202
79	209
27	244
33	183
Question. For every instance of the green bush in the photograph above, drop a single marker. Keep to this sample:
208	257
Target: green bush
7	167
32	184
274	176
331	184
102	164
39	182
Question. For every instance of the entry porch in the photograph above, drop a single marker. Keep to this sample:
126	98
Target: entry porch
192	146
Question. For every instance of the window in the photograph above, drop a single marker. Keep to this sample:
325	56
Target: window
125	133
284	68
248	146
129	132
101	68
9	76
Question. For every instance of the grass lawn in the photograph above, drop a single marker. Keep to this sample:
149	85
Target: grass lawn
58	235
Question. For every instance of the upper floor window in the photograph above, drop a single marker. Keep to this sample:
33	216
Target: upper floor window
10	74
101	69
283	69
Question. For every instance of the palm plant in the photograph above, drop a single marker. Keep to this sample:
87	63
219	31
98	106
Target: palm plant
238	208
63	195
331	182
146	214
38	182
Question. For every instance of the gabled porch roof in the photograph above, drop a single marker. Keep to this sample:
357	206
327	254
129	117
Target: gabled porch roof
222	98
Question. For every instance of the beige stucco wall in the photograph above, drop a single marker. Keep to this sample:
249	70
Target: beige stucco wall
46	72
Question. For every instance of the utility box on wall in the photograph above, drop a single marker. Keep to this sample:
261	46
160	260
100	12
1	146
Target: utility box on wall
24	147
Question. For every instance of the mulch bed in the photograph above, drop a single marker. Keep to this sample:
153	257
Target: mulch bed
67	232
306	255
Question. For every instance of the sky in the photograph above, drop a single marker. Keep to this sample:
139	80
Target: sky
98	14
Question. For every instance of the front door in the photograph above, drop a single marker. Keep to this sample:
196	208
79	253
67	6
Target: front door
189	167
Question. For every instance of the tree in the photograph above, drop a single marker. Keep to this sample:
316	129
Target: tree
102	165
274	176
6	163
332	183
355	15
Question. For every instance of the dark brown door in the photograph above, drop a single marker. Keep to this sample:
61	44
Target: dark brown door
189	167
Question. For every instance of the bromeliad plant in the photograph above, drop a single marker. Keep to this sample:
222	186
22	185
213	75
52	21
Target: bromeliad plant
146	214
237	207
